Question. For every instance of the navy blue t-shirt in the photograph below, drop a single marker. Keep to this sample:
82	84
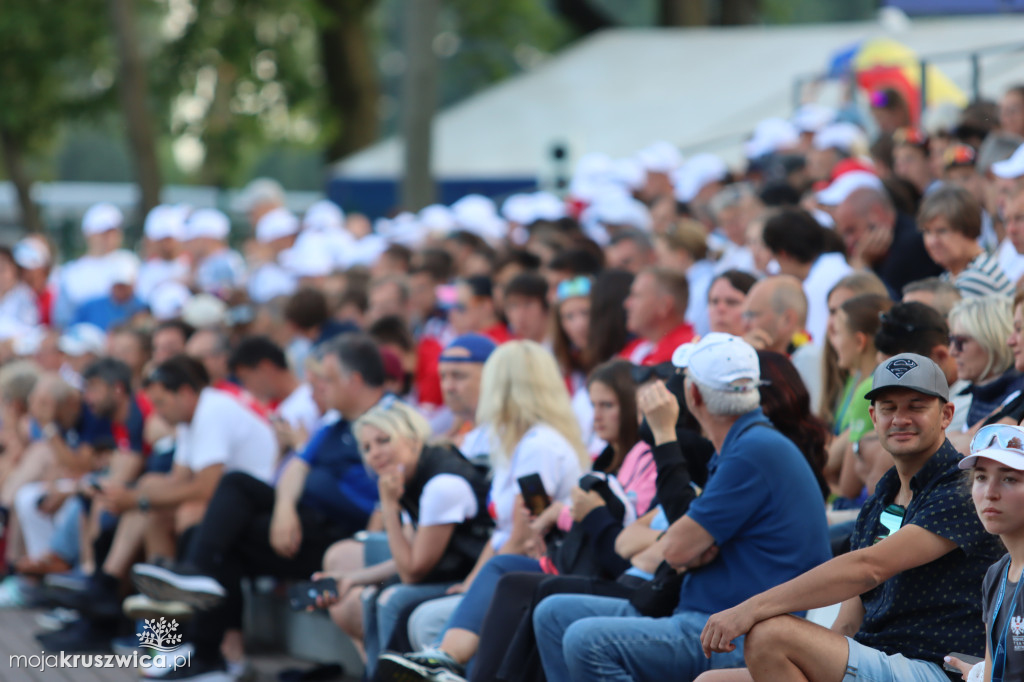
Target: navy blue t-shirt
763	507
338	483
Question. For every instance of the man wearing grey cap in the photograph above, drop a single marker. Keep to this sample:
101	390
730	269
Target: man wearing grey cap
909	587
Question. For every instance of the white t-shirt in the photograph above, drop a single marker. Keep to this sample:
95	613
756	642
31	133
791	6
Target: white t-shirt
224	431
446	498
476	445
298	409
1011	262
18	311
84	279
543	451
699	277
828	269
156	271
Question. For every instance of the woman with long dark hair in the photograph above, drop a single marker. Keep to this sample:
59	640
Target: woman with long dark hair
786	402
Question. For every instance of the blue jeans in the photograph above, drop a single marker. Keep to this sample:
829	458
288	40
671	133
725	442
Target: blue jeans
582	637
381	614
471	611
66	525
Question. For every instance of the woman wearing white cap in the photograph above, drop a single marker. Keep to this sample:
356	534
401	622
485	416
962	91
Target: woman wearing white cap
18	309
996	465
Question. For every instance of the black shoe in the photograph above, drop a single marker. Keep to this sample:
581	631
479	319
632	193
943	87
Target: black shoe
432	665
80	636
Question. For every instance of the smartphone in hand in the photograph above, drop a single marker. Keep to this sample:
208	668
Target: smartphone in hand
970	660
534	495
304	594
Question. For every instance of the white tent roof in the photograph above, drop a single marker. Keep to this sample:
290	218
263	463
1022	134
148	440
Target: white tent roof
702	89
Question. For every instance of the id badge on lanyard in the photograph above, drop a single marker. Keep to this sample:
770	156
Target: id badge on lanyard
999	648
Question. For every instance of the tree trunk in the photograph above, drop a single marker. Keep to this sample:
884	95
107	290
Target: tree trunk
419	102
739	12
351	77
584	17
683	13
14	161
220	133
133	91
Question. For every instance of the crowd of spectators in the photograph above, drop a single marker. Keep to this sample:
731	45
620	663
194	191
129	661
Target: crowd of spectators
599	436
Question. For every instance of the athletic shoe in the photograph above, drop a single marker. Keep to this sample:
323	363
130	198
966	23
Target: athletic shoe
432	665
56	619
140	606
198	591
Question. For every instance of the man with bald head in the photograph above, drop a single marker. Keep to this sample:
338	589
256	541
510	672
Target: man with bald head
877	236
775	316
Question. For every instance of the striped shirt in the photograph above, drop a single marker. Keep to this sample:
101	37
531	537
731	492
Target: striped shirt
982	277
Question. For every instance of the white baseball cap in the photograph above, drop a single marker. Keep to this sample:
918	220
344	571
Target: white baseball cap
324	216
660	157
846	184
1011	168
204	311
168	300
437	219
261	191
166	221
101	218
812	117
1003	443
123	268
310	257
82	338
276	224
209	223
720	361
477	214
31	254
699	171
771	135
842	135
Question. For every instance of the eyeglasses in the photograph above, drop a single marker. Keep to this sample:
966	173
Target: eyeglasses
576	287
1005	436
957	341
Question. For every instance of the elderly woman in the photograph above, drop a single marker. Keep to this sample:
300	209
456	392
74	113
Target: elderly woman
979	329
950	219
434	506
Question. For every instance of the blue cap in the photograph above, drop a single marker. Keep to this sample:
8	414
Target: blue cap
469	348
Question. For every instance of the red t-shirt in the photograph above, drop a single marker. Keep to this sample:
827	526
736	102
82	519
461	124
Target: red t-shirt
644	352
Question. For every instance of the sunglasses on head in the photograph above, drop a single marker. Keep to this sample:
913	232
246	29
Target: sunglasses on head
1005	436
641	374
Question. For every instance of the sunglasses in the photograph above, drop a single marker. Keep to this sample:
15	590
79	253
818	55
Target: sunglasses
577	287
1005	436
888	320
641	374
891	521
957	341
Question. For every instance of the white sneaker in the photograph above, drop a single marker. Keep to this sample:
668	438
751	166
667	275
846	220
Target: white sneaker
140	606
56	619
198	591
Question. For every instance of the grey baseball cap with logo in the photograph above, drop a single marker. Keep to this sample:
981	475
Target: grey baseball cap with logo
911	371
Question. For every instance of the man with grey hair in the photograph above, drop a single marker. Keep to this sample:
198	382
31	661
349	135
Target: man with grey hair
933	292
733	210
880	238
739	532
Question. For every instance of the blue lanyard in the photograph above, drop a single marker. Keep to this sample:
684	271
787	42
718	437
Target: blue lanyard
999	650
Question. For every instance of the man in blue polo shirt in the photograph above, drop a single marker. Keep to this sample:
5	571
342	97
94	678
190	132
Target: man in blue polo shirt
909	587
759	522
323	495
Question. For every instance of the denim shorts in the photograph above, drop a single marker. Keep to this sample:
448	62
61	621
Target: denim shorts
865	664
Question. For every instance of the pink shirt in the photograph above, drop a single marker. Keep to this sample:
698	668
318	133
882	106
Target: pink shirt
637	476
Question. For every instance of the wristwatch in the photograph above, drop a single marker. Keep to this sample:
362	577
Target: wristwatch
142	502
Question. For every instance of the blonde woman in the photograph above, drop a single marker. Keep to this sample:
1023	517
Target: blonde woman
979	328
523	398
433	503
